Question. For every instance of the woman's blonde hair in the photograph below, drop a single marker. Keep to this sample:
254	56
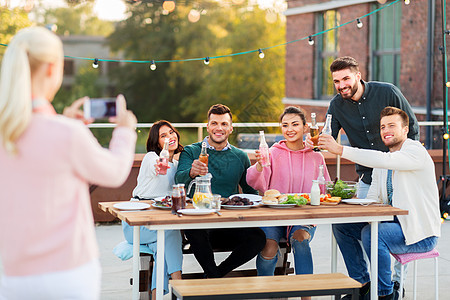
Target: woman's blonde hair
29	48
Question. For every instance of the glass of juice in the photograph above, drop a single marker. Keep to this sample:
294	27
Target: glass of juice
163	164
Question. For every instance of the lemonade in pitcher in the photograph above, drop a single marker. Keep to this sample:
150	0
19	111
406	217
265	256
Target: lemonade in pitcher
202	195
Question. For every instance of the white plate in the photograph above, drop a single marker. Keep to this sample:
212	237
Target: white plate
155	205
131	205
159	199
240	206
250	197
196	211
280	205
359	201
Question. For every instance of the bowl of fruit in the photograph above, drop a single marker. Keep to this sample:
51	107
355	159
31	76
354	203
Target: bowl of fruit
343	189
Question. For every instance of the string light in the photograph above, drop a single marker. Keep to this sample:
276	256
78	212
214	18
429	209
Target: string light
359	24
261	53
446	136
169	6
153	66
95	63
206	61
406	2
447	84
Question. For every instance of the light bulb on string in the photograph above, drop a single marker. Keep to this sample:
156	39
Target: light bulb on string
446	136
153	66
206	61
359	24
169	6
447	84
407	2
95	63
261	53
310	40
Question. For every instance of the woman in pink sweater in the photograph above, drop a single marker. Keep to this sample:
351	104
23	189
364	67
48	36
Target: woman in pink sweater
292	169
47	239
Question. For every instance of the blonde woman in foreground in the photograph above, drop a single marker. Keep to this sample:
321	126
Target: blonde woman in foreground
47	238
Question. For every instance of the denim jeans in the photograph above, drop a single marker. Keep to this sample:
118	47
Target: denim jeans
392	240
363	189
302	252
173	252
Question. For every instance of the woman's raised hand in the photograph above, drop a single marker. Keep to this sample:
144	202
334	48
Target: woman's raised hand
74	111
124	118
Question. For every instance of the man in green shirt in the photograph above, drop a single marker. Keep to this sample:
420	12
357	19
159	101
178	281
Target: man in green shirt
228	167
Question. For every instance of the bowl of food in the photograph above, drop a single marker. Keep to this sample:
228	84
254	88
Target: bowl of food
343	189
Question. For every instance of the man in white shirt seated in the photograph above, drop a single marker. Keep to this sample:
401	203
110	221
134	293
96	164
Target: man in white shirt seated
403	177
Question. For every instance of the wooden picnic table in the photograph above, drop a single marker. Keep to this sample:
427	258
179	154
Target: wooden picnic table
160	220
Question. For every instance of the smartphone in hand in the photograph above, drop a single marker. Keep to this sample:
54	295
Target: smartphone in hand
100	108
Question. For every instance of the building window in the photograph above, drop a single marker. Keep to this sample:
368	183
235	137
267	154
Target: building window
69	68
386	44
327	51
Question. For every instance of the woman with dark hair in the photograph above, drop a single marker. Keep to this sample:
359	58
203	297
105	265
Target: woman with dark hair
292	169
151	184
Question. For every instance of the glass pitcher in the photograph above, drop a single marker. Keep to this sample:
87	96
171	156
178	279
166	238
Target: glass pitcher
202	195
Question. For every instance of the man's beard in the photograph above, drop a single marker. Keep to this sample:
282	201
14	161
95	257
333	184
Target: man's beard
353	90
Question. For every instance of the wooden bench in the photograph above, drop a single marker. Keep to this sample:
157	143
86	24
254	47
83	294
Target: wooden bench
265	287
146	262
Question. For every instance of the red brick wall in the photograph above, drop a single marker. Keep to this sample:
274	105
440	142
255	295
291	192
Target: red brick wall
299	62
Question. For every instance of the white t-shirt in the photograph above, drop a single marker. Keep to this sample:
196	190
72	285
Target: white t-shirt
150	185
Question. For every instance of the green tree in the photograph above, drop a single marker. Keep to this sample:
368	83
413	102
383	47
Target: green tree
77	19
86	83
12	20
183	91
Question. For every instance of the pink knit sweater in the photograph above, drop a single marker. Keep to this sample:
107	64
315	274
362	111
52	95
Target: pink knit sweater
289	171
46	222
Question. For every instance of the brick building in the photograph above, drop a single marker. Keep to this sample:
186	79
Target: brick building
392	46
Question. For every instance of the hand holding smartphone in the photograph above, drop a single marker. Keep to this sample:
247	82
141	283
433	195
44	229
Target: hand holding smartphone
100	108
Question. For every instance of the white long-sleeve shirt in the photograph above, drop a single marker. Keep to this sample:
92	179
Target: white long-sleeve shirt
150	185
414	185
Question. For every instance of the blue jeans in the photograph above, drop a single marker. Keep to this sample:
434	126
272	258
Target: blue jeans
392	240
363	189
302	252
173	252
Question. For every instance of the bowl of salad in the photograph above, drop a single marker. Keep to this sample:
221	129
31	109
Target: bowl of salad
343	189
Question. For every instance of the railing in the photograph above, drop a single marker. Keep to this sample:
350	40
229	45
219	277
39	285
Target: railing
200	126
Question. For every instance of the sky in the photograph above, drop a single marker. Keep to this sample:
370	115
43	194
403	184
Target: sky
111	10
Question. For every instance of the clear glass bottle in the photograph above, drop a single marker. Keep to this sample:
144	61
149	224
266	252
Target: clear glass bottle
315	193
314	131
203	154
163	162
327	127
263	150
321	180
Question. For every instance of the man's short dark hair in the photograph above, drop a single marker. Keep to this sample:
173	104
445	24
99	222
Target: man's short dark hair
345	62
219	109
391	111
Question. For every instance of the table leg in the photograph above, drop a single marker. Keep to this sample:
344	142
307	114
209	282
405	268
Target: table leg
136	261
333	253
374	260
160	265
